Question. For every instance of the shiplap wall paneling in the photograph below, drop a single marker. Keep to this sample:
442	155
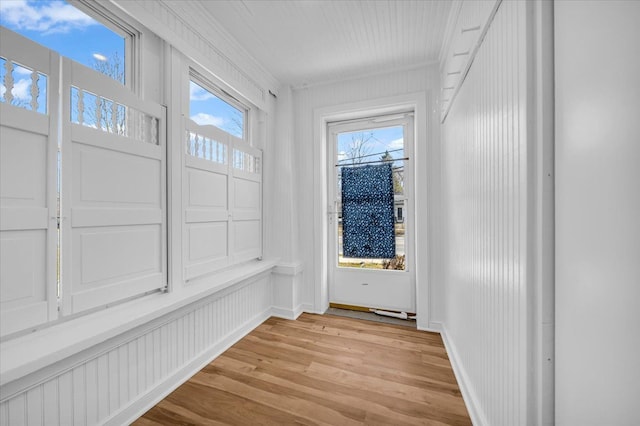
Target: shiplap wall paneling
485	211
113	191
28	207
121	382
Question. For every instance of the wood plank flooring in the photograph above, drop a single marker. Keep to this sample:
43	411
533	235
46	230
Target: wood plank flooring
321	369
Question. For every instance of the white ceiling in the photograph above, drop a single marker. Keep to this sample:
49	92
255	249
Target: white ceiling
307	42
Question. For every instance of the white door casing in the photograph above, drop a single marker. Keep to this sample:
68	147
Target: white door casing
386	289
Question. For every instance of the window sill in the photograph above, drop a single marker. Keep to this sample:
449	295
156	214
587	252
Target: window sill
42	349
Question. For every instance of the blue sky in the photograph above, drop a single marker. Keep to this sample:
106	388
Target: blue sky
70	32
384	139
63	28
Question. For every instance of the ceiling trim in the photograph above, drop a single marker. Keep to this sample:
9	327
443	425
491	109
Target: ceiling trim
360	76
454	12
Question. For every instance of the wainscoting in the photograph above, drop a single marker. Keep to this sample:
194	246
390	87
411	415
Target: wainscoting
114	382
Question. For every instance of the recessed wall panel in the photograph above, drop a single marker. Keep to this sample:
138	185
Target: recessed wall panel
207	189
246	194
207	241
105	255
247	235
22	167
105	176
22	268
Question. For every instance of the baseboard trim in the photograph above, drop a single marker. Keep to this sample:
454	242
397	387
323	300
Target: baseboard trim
148	400
310	309
290	314
435	326
468	395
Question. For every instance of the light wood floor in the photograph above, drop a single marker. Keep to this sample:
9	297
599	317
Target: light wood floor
321	369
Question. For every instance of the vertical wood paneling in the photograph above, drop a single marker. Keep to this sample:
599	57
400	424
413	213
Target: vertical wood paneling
17	410
101	387
4	413
65	399
103	383
485	223
78	376
51	404
91	380
35	411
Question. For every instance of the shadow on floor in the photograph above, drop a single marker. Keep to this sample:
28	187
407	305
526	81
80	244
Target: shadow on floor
370	316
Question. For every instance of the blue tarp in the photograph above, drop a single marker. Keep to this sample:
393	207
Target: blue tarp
367	212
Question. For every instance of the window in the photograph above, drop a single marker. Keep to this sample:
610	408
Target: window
223	112
223	178
72	33
69	129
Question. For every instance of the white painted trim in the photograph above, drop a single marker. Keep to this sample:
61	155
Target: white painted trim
138	407
476	48
542	110
308	308
196	41
471	401
374	73
290	314
33	358
454	12
290	269
434	327
321	116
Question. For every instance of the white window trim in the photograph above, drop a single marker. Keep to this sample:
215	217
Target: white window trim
122	25
220	90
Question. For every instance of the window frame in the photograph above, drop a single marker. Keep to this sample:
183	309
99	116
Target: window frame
216	90
120	24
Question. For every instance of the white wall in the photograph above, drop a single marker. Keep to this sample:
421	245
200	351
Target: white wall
597	61
487	208
308	100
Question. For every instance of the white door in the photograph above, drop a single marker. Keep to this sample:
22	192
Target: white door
355	277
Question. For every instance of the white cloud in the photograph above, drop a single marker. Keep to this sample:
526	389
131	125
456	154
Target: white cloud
47	17
197	93
342	156
396	144
206	119
22	90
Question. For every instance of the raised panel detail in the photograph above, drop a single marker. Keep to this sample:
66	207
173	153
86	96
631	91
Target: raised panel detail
247	194
247	235
22	167
207	241
115	177
22	268
207	189
116	253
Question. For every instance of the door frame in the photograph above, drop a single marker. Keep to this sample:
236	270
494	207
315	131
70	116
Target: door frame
424	120
402	300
